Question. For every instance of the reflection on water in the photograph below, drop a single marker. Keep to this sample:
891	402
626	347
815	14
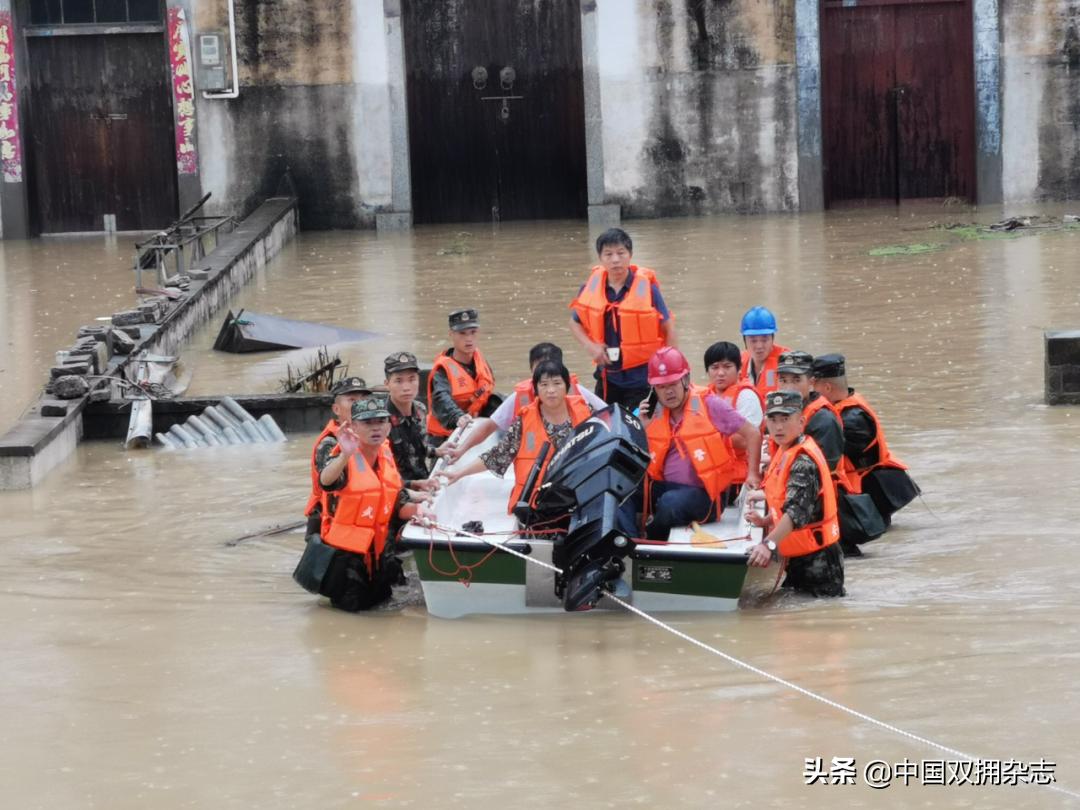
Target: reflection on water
148	665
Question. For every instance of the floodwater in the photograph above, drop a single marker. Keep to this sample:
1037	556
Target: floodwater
146	663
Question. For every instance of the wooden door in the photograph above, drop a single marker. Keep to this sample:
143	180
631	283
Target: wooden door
101	135
898	106
496	109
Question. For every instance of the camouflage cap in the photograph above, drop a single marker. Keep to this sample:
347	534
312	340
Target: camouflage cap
795	362
370	406
783	402
400	361
350	385
462	319
827	366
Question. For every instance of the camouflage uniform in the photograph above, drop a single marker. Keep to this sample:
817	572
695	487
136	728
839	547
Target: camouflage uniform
408	440
820	573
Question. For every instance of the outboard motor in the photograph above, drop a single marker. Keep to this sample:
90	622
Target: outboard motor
598	468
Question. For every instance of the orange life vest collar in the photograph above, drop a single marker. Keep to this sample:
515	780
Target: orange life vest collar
469	393
361	522
639	321
738	455
841	476
695	437
767	380
533	436
885	458
814	536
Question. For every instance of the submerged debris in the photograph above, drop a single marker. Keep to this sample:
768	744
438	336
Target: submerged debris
319	376
906	250
255	332
459	245
1008	228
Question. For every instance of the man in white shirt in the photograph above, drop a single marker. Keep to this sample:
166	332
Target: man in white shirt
723	361
522	395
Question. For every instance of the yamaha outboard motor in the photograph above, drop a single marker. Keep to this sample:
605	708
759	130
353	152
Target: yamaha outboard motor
598	468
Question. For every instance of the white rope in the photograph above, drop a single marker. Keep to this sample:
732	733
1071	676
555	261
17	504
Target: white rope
450	532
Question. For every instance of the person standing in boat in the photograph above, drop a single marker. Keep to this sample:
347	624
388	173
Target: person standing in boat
408	417
550	417
873	469
461	382
723	361
762	352
692	465
523	395
620	318
345	393
364	506
801	524
859	518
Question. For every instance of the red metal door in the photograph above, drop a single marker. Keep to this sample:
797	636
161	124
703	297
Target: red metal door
898	106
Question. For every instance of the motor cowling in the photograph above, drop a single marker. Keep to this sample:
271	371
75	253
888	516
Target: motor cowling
591	475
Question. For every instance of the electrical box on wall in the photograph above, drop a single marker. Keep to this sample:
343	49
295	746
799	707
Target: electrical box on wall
212	56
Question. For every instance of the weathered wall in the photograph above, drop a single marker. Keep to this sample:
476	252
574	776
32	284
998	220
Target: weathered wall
314	100
1041	99
698	104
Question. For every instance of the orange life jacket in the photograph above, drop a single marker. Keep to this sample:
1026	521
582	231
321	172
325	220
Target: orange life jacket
695	436
842	474
533	435
471	395
523	393
731	395
885	458
365	506
814	536
639	321
317	492
767	380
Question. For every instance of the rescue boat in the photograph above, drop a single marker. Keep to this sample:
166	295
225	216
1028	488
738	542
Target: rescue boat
464	569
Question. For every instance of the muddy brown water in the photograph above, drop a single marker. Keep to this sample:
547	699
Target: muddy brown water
148	664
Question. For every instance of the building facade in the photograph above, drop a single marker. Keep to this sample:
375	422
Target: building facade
120	114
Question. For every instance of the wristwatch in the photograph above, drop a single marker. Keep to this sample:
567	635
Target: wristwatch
769	544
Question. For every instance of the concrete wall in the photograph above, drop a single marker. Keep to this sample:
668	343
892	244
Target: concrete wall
314	100
692	106
698	103
1041	99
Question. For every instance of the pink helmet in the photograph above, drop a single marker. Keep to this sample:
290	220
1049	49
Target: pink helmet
667	366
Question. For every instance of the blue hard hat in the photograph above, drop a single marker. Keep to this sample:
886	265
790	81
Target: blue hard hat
758	321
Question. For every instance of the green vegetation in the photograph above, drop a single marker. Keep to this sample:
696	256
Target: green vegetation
959	232
906	250
459	245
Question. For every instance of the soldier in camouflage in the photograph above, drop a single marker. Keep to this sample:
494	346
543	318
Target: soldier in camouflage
820	573
408	420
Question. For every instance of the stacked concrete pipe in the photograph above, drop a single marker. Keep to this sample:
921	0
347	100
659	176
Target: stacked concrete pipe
224	424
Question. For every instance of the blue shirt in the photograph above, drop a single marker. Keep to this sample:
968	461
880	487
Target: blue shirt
638	376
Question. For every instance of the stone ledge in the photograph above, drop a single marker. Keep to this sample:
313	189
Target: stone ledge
37	442
33	432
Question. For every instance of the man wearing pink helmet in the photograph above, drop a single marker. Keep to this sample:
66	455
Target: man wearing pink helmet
692	464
